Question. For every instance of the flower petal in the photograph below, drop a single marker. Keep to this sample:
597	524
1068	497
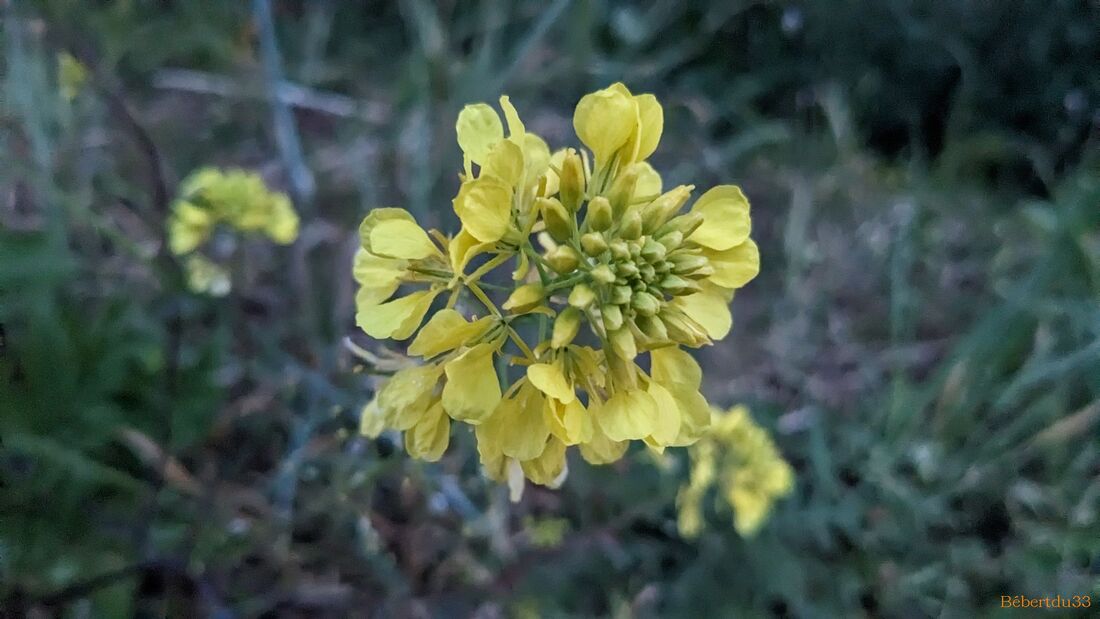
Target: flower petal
569	422
445	331
396	319
710	309
406	396
377	216
651	123
428	439
463	247
600	449
372	422
675	368
550	380
649	181
472	391
518	427
485	207
726	223
399	238
667	426
628	415
478	128
549	467
604	120
735	267
505	162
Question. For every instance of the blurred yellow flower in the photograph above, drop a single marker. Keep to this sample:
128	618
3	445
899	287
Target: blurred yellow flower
594	241
236	198
740	458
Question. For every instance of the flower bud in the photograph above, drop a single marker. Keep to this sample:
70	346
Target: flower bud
685	263
619	249
653	327
622	342
621	294
622	190
571	185
647	272
671	239
627	269
657	212
599	216
676	285
612	317
566	326
684	224
581	296
563	259
603	274
631	226
645	304
593	244
683	329
559	223
524	299
653	251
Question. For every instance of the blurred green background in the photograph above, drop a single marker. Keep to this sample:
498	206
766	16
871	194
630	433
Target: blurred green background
923	340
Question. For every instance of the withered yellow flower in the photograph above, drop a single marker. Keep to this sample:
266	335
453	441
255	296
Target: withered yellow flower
607	268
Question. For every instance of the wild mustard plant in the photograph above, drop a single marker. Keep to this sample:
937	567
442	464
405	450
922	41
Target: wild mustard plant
236	199
740	458
604	260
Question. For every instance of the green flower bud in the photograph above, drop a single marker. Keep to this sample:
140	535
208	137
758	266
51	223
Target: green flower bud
671	239
612	317
566	326
653	328
622	342
684	224
593	244
657	212
622	190
628	269
619	249
682	328
571	184
676	285
631	226
563	259
524	299
559	223
653	251
599	216
647	272
621	294
581	296
645	304
635	249
603	274
686	263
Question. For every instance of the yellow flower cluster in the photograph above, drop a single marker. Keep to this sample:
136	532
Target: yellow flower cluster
596	243
740	457
235	198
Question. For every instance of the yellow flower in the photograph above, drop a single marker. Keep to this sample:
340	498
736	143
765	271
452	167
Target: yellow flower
742	460
235	198
602	258
206	277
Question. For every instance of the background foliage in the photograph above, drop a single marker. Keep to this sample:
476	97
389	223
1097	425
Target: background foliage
924	339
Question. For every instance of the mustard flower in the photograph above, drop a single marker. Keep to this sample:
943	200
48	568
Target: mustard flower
740	458
611	266
235	199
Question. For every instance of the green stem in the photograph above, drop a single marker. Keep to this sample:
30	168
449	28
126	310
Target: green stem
485	268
